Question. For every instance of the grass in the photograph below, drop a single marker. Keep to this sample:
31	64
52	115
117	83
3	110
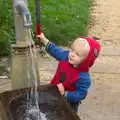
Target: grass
62	20
6	27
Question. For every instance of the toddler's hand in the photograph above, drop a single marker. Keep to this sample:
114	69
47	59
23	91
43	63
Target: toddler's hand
43	38
61	88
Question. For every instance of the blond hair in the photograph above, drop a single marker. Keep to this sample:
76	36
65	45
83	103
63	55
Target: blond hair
84	43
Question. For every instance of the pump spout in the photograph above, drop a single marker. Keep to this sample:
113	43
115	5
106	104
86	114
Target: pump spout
23	10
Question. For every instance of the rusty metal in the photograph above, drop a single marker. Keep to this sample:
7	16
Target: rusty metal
50	102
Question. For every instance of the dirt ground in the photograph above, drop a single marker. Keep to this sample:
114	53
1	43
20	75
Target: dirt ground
103	100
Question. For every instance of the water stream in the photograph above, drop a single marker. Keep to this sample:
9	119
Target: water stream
32	111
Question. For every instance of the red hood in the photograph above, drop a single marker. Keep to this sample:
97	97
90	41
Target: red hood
92	55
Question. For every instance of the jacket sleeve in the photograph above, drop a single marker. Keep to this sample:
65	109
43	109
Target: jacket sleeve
82	87
56	52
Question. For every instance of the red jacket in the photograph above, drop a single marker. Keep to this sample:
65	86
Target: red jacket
69	75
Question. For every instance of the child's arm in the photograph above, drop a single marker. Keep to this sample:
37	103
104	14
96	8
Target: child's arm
82	87
53	50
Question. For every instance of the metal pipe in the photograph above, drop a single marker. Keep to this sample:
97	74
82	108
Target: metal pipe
23	10
21	58
38	26
22	23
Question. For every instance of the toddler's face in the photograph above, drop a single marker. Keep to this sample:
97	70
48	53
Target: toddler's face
77	53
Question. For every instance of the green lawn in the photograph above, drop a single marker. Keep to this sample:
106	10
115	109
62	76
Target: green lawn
62	20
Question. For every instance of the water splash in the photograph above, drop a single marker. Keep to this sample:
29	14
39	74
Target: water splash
31	111
33	114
